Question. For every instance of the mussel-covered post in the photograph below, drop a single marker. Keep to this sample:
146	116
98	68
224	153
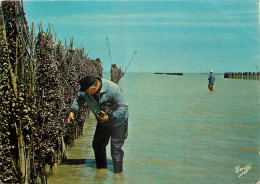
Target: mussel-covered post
38	82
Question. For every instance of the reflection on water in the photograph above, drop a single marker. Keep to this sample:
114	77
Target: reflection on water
179	132
87	162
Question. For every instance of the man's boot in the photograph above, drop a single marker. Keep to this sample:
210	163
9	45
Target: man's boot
118	166
101	160
101	164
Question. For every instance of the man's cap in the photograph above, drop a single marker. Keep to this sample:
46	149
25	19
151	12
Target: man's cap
87	82
211	71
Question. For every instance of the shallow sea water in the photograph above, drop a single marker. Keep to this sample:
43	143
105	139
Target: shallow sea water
179	132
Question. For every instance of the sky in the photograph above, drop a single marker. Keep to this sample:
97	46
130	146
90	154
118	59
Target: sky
189	36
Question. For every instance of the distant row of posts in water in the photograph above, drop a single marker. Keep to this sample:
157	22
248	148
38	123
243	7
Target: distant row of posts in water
230	75
169	73
244	75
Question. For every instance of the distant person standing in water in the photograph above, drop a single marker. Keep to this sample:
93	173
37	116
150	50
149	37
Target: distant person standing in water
211	80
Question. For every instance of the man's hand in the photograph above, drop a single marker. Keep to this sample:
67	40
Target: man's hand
71	116
103	118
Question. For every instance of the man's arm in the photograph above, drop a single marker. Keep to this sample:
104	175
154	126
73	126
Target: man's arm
76	105
121	114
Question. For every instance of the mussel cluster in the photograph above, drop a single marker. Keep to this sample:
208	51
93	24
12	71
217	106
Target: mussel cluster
38	83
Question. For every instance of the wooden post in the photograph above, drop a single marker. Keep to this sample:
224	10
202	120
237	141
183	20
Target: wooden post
225	75
2	23
236	75
240	75
246	75
116	73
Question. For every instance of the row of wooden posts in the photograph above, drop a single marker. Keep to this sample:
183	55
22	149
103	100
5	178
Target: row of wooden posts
243	75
